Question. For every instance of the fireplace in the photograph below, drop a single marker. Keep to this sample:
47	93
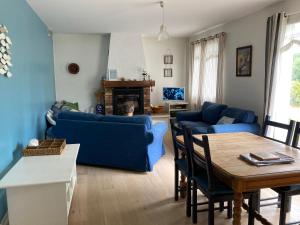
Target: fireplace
124	95
117	93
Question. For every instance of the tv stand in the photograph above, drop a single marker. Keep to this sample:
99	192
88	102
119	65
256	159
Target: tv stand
175	107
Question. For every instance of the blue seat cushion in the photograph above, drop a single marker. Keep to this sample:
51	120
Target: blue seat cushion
240	115
69	115
197	127
220	188
211	112
139	119
182	165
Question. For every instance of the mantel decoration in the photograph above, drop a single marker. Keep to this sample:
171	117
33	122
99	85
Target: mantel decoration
146	75
5	54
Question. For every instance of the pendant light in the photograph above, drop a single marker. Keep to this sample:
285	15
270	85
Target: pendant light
163	34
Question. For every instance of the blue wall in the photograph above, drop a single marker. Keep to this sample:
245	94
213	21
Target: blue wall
24	98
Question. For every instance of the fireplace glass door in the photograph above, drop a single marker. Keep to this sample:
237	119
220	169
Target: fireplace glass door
122	96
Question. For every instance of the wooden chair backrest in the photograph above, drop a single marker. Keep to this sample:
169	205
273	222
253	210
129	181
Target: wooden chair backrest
296	137
289	127
177	146
195	160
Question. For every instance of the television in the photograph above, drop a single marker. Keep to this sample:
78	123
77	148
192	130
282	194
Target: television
173	94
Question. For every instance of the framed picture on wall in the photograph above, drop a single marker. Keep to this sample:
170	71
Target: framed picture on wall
244	61
168	72
168	59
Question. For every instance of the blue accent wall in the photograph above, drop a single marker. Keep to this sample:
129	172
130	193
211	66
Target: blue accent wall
24	98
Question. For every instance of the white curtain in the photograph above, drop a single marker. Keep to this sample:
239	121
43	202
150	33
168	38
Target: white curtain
210	71
206	71
194	78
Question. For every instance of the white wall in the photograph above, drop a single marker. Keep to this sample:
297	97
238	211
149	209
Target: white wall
248	92
154	52
90	52
126	55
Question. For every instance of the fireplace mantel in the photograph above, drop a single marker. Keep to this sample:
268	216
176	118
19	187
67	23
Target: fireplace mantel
127	83
109	87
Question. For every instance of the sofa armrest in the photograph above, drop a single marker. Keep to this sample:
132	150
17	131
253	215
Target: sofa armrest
189	116
237	127
156	149
159	128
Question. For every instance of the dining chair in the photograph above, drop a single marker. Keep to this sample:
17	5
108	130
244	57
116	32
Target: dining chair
269	123
289	128
203	179
180	165
287	192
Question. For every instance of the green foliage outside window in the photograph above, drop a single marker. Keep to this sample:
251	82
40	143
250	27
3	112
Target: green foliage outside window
295	91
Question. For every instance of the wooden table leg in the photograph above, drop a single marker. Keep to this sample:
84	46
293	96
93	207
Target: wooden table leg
183	186
237	209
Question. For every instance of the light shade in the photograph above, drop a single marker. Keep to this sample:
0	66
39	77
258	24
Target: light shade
163	34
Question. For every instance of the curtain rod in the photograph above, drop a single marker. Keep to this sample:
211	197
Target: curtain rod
209	38
293	13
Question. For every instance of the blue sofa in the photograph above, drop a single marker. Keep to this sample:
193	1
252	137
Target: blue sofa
132	143
205	121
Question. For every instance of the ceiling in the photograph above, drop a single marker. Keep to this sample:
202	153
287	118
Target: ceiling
183	17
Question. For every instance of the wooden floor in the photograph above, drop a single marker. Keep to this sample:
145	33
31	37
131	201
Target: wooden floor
115	197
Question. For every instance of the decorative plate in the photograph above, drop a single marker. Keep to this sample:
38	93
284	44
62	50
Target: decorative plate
73	68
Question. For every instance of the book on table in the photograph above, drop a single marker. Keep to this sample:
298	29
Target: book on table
264	156
266	159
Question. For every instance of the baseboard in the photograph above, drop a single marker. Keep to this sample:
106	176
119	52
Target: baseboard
5	220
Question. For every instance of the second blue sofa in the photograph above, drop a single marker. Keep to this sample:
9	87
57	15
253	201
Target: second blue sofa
205	121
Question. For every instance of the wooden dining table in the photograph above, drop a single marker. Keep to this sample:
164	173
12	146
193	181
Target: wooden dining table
243	177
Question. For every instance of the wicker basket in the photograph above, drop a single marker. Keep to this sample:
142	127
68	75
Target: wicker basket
47	147
158	109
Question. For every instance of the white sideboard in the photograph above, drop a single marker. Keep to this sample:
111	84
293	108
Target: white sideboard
40	188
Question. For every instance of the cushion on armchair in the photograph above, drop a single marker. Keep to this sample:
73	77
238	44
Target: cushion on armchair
226	120
211	112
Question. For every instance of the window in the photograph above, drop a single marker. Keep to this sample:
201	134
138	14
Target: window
204	83
287	82
292	47
289	72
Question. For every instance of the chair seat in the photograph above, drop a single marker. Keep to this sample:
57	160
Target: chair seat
292	189
182	165
220	188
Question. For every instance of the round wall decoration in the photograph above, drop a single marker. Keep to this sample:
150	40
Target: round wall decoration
5	54
73	68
